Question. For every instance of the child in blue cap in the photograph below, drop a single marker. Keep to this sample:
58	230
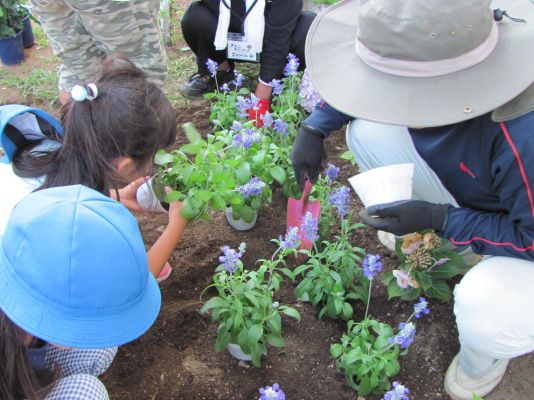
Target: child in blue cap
108	136
74	284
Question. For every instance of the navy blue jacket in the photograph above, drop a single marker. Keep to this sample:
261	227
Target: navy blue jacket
488	167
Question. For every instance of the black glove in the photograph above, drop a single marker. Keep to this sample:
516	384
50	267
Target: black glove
406	216
307	154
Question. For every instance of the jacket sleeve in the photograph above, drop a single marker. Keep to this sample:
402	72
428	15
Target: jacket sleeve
280	22
509	232
326	119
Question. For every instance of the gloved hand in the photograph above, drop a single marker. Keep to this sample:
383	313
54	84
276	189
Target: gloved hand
406	216
255	115
307	154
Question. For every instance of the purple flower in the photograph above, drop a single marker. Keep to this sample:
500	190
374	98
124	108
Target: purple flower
292	65
243	105
398	392
340	199
309	227
331	171
371	266
231	257
406	335
421	308
238	79
272	393
254	187
254	102
250	137
280	126
212	67
236	126
291	239
277	86
267	119
308	96
225	87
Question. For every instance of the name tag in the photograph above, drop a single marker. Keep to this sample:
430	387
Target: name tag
240	49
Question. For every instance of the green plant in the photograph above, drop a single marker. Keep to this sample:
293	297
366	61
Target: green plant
245	308
38	85
11	15
426	265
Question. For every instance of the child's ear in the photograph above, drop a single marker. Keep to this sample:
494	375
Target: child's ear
125	166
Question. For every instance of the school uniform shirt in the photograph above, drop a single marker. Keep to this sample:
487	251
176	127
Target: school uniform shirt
488	167
281	18
14	189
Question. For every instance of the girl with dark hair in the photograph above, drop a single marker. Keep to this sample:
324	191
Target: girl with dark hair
82	289
108	136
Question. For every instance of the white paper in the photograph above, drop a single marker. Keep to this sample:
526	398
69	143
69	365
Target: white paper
384	184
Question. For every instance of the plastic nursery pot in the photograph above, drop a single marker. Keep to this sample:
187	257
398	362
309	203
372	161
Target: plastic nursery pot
12	50
147	198
236	352
27	32
240	224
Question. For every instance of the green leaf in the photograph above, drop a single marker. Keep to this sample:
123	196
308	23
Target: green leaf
275	340
163	158
349	157
440	290
203	195
218	202
392	368
173	196
352	356
278	174
336	350
291	312
364	387
255	332
247	213
444	271
191	132
214	302
255	204
423	279
394	290
275	324
243	173
188	211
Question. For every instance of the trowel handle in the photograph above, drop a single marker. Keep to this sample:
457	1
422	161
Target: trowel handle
307	190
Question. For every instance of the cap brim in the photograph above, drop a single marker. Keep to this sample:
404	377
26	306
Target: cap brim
354	88
37	319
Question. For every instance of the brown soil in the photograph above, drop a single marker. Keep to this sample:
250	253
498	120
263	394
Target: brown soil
176	358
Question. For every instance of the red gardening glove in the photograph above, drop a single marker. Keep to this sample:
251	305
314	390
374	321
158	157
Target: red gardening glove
255	115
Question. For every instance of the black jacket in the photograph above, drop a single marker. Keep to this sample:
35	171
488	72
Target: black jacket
280	21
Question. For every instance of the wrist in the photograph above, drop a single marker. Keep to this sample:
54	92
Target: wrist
263	91
440	217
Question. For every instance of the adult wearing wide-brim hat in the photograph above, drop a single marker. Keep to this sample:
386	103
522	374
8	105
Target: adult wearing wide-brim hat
74	285
448	86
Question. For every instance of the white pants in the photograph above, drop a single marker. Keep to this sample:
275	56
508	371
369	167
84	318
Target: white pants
493	302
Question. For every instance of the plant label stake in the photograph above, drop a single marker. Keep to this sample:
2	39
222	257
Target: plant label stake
297	209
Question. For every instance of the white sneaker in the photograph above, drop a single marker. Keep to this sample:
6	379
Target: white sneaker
461	387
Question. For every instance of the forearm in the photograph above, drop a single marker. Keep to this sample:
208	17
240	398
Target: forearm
326	119
162	249
263	91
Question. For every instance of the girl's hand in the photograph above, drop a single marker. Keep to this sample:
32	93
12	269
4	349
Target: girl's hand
128	194
175	211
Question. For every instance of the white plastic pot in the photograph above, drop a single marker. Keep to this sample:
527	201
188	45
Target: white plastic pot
240	224
236	352
147	199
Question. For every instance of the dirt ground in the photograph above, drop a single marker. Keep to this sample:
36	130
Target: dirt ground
176	358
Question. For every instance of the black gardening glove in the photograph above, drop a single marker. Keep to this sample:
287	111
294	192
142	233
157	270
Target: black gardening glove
406	216
307	154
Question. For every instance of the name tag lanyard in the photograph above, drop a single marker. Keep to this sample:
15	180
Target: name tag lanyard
238	16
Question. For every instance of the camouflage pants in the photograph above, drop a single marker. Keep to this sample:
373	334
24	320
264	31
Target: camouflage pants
82	32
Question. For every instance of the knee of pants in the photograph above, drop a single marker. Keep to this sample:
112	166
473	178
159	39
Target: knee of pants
491	308
195	18
78	387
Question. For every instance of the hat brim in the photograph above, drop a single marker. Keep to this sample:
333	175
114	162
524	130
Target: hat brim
352	87
37	319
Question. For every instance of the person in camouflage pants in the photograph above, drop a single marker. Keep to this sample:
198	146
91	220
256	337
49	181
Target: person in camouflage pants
83	32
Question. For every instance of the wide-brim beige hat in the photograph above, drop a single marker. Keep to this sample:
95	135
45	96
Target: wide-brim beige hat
422	62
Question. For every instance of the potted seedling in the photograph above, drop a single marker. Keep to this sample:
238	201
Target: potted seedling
11	24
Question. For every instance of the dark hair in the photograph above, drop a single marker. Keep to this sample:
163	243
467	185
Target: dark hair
19	379
130	117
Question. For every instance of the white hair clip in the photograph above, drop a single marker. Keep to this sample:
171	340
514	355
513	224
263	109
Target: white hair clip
80	93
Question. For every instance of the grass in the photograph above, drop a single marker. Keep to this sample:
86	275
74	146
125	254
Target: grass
39	85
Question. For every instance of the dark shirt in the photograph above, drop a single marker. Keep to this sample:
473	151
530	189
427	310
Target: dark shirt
488	168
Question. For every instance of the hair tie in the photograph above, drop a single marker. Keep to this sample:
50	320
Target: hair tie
80	93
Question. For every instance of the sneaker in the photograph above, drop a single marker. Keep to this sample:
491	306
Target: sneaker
461	387
197	85
165	273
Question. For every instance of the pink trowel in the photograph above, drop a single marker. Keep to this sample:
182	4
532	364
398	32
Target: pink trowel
297	209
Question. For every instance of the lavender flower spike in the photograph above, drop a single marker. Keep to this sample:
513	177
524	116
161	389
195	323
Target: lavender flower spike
212	67
340	199
421	308
231	258
331	171
238	79
371	266
291	239
277	86
254	187
406	335
280	126
309	227
267	119
292	65
272	393
399	392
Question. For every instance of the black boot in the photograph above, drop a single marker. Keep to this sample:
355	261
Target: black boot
197	85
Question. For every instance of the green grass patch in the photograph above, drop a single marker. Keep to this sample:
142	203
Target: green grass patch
39	85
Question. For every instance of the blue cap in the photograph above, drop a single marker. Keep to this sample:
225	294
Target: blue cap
28	123
74	270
